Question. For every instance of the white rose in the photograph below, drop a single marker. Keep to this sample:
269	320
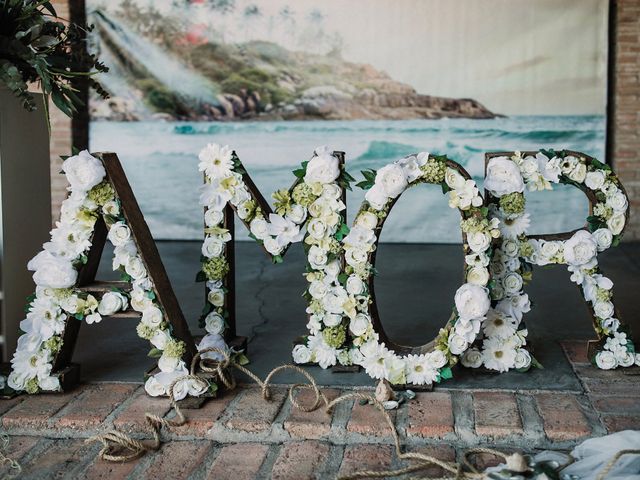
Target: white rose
318	289
618	202
331	191
119	234
112	302
298	213
160	339
135	268
376	197
453	179
411	168
392	179
616	224
529	166
595	180
154	388
625	358
53	272
332	319
503	177
214	323
301	354
359	324
355	256
478	276
333	269
549	249
323	168
603	238
472	358
367	220
216	297
213	218
580	248
579	173
152	316
472	301
457	344
603	309
334	300
478	241
83	171
549	168
259	228
111	208
272	246
512	283
169	364
606	360
317	257
212	247
316	228
355	286
510	247
523	359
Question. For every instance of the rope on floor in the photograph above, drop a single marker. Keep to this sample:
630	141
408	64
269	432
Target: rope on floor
14	469
119	447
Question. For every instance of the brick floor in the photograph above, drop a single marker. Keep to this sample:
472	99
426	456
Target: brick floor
241	436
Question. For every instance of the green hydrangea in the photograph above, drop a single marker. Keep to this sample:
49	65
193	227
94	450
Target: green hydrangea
251	207
101	193
335	247
303	194
53	344
526	250
474	225
335	336
145	331
32	386
603	211
433	171
282	201
512	203
215	268
174	349
603	295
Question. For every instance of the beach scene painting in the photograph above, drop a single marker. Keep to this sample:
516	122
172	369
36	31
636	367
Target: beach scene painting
377	79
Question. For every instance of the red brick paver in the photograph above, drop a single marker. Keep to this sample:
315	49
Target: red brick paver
36	410
103	470
444	453
616	404
132	418
201	420
617	423
97	402
576	350
430	415
177	460
496	414
359	458
253	413
368	420
562	416
61	460
16	448
300	460
315	424
243	459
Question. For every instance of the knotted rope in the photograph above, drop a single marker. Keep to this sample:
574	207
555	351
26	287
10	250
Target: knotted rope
14	468
113	441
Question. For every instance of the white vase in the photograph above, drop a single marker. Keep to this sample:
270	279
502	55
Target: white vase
25	207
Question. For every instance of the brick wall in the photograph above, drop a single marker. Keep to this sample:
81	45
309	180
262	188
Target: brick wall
626	107
625	132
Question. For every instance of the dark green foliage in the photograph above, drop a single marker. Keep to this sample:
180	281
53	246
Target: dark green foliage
35	47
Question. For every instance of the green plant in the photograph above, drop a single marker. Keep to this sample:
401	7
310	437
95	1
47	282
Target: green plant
36	47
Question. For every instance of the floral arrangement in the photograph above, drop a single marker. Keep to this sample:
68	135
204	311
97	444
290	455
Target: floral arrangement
505	181
340	318
310	210
57	299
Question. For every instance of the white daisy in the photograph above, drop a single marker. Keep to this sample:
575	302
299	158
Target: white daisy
498	355
419	370
499	325
215	160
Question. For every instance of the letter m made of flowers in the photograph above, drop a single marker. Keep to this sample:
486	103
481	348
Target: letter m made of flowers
312	210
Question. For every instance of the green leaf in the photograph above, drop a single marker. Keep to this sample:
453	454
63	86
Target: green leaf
277	259
616	240
201	277
445	187
342	278
79	316
301	172
242	359
535	363
154	353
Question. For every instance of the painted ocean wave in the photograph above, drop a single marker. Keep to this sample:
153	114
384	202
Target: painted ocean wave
160	159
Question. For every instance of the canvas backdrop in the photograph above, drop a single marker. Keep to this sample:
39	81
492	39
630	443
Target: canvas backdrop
276	78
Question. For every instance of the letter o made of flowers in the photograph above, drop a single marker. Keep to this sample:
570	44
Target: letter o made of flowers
506	179
342	315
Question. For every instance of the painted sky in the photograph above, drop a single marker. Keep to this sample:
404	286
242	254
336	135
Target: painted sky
527	57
